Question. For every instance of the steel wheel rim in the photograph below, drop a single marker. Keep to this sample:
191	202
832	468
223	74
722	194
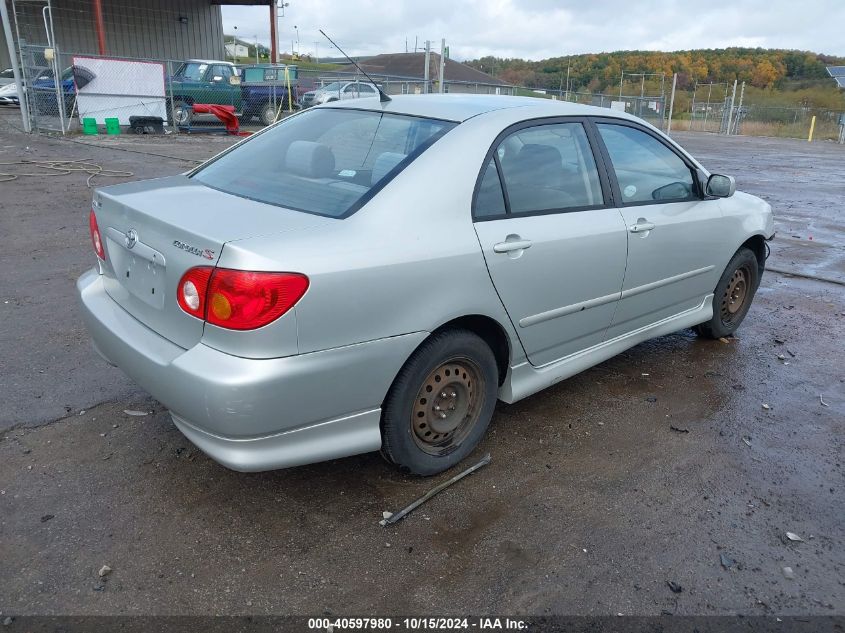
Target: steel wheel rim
735	294
447	406
181	115
268	115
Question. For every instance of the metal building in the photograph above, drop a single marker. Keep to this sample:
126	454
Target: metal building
157	29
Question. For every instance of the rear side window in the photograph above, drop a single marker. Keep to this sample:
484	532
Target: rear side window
549	167
490	201
256	75
326	161
646	170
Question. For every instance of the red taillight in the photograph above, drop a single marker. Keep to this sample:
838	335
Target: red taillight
96	240
239	299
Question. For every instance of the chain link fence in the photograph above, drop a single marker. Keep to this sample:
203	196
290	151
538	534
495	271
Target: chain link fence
259	94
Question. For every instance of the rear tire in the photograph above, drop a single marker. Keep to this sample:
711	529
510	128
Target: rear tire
733	295
440	403
267	114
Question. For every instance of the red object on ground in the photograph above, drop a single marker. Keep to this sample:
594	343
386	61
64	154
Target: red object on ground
225	113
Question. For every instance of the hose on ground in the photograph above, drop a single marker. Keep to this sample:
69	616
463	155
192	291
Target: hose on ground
50	168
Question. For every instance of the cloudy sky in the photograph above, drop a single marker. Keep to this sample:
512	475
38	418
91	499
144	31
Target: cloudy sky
537	29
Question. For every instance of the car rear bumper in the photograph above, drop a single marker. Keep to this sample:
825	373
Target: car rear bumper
253	414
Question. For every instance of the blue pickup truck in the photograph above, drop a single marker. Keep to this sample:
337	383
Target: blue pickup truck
264	91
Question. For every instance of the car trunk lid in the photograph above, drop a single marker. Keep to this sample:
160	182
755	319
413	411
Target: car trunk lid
154	231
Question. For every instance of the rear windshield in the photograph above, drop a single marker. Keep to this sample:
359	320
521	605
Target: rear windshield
323	161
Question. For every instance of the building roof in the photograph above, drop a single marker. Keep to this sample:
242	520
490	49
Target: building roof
460	107
413	65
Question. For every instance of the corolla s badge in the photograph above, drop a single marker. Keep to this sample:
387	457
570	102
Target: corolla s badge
193	250
131	238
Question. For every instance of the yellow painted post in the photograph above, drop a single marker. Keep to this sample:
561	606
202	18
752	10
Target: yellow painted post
812	127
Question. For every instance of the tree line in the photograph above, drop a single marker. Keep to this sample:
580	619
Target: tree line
601	72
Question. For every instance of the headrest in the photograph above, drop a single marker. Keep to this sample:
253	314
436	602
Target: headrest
309	159
539	155
384	164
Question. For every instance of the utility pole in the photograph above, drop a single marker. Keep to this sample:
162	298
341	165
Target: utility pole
426	89
317	52
274	49
442	63
568	67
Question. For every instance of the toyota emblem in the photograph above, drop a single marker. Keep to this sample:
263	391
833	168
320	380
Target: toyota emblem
131	238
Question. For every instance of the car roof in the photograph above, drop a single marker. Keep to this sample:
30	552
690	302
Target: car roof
460	107
207	61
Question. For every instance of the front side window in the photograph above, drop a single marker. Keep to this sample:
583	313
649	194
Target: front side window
193	71
647	170
325	161
549	167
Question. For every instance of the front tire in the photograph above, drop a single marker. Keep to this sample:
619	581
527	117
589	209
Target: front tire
733	295
183	114
440	403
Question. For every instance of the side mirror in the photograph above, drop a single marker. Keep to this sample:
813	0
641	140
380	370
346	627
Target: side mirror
720	186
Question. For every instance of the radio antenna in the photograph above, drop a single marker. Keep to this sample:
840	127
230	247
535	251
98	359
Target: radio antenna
382	96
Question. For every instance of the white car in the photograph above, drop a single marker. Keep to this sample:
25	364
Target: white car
7	77
9	94
338	91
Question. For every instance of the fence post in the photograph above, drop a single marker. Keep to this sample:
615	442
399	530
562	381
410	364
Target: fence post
442	63
169	106
731	111
426	89
812	128
16	71
739	109
671	103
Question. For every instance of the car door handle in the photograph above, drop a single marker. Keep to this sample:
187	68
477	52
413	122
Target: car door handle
511	245
641	226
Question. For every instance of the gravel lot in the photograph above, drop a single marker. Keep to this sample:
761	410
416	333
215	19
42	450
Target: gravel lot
592	502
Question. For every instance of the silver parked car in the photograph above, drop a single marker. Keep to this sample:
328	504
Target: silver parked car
338	91
7	77
368	275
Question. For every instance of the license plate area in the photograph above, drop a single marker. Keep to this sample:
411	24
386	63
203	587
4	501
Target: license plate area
140	270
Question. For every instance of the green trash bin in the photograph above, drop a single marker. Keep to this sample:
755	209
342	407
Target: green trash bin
112	126
89	127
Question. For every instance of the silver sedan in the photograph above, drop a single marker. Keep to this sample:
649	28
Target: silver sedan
371	276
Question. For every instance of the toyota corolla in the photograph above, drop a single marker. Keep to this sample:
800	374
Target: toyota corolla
371	275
